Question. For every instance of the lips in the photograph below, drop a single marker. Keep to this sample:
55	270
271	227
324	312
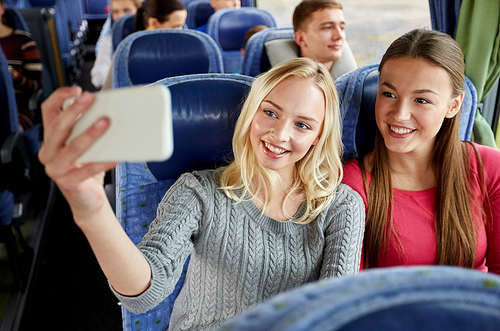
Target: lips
399	131
274	151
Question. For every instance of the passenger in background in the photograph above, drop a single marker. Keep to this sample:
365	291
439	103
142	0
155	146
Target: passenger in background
99	72
161	14
319	34
154	15
430	198
275	218
250	33
217	5
25	66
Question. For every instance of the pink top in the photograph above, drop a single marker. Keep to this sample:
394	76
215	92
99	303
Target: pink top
413	217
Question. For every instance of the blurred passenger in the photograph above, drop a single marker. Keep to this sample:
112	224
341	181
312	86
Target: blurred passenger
154	15
99	72
250	33
319	33
217	5
161	14
25	67
430	198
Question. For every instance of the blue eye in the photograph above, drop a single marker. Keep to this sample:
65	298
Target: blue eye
303	126
270	113
422	101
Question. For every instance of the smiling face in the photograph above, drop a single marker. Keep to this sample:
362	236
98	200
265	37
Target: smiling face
414	97
323	36
119	8
288	122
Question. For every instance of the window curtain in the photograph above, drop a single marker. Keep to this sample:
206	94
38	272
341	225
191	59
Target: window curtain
478	34
475	26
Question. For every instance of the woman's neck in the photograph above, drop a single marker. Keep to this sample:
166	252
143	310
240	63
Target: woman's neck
412	172
5	30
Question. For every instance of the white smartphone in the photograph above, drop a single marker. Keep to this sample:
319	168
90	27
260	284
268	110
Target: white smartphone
140	125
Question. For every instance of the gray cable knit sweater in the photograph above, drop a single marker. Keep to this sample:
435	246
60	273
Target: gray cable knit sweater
239	257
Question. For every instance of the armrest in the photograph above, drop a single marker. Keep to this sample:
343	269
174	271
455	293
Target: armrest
13	142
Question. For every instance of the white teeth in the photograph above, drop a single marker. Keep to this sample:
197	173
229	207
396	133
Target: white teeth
400	130
273	149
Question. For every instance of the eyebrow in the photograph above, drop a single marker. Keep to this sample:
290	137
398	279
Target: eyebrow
421	91
307	118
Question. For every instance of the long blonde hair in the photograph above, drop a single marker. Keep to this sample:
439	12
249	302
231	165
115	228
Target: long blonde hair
454	223
318	173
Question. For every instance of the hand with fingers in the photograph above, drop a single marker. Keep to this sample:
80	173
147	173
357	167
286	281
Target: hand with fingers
80	183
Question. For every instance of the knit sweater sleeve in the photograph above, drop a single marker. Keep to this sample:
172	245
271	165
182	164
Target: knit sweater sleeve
345	221
169	240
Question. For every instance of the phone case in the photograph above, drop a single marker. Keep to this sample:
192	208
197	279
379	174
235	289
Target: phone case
140	125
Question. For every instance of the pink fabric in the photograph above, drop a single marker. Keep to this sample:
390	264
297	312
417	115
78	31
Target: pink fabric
414	217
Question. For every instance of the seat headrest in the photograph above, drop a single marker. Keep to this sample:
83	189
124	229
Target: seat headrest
204	114
122	28
228	26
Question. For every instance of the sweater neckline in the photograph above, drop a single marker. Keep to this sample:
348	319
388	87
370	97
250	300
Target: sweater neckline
266	221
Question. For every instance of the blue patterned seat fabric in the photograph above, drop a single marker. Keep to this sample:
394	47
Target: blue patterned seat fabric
199	11
228	27
389	299
357	93
121	29
147	56
204	111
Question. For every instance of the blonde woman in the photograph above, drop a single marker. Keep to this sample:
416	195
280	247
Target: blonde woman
275	218
430	198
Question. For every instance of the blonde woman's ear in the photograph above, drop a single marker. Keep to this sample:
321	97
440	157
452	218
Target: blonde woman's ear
456	104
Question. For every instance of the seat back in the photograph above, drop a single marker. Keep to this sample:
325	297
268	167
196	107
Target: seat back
204	112
256	60
95	9
121	29
18	3
228	27
147	56
9	123
41	24
358	92
388	299
198	12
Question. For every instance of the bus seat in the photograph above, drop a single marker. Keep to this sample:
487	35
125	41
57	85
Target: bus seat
205	108
198	12
95	9
256	60
15	20
358	92
40	21
147	56
228	27
122	28
17	4
389	299
15	181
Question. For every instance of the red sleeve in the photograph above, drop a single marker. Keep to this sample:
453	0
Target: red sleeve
352	177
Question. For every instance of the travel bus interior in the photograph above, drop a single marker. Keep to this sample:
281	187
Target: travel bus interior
59	284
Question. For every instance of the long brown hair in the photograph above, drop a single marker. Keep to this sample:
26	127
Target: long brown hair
454	223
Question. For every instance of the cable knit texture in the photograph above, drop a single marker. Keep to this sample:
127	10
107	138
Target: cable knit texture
239	256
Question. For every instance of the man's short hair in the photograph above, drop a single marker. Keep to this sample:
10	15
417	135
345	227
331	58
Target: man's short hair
304	10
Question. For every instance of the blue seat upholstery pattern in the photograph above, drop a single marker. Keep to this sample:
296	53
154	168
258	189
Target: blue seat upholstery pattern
228	27
121	29
147	56
18	4
204	111
256	60
198	12
389	299
357	93
95	9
